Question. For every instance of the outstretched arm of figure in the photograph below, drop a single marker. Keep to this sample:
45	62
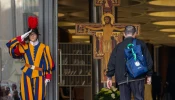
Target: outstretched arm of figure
119	29
95	29
100	1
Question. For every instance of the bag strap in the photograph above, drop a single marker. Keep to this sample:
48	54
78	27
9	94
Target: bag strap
134	41
130	45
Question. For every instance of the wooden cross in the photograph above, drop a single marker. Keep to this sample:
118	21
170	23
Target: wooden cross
105	36
107	5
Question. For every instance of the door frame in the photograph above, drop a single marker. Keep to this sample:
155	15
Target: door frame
48	27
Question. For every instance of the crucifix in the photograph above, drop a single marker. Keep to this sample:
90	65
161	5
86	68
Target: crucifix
106	35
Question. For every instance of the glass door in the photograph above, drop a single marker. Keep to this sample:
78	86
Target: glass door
10	69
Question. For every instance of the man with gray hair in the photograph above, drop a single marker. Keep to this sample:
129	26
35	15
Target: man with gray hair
117	67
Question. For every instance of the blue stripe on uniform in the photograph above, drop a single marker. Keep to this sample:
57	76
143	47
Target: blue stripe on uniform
26	87
44	64
29	56
43	92
48	62
36	49
36	88
41	65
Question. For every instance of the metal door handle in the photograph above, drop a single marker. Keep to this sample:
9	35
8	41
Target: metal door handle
61	68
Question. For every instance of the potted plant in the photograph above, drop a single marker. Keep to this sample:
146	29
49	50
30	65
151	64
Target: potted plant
108	94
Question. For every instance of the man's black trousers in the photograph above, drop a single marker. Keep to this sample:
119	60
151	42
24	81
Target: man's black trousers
136	87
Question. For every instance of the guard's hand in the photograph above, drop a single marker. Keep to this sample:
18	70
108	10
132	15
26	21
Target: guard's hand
25	35
109	83
148	80
46	81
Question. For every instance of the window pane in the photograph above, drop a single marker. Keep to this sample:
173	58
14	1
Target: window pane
30	8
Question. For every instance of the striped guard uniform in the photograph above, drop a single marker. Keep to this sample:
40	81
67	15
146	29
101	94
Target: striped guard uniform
32	84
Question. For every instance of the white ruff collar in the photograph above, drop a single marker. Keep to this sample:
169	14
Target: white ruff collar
34	43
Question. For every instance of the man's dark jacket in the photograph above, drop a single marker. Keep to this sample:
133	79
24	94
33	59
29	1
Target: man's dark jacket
117	62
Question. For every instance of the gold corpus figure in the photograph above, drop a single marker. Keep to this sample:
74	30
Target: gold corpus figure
108	28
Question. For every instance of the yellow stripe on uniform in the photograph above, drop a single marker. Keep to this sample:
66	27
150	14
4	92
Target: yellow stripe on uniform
31	51
50	72
49	56
26	58
40	91
13	39
14	44
10	49
35	73
39	54
21	49
22	87
29	88
27	62
37	60
25	69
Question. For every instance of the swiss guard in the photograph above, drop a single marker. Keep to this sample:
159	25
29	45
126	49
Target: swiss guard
37	71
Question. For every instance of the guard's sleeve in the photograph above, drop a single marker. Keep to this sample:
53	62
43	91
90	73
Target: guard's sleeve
51	65
15	47
149	60
112	64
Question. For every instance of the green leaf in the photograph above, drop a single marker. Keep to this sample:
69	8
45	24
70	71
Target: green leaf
109	91
118	92
101	98
108	94
113	96
114	89
104	89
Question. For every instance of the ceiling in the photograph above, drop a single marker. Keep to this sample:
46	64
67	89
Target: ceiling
157	18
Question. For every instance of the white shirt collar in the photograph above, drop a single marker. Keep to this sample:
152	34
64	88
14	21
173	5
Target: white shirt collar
34	43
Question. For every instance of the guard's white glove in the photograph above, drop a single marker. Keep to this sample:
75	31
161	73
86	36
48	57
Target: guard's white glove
148	80
46	81
25	35
109	83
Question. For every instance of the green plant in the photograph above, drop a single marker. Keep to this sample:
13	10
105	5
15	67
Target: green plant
108	94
